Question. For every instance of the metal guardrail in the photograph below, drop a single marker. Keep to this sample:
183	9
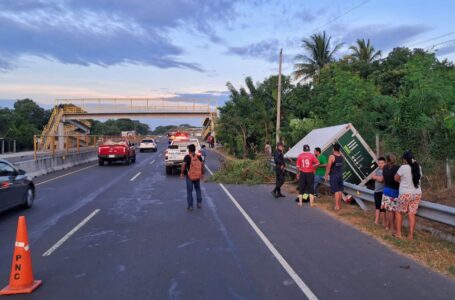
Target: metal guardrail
432	211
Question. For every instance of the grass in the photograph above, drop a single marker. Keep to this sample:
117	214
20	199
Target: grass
244	171
437	254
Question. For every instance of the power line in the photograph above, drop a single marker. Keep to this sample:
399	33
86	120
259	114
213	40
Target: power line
342	15
432	39
441	43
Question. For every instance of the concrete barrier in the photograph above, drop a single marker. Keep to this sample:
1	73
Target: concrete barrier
48	165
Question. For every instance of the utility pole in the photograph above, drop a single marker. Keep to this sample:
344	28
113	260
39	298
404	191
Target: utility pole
278	100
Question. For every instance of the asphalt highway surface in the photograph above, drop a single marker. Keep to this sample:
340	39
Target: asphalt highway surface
123	232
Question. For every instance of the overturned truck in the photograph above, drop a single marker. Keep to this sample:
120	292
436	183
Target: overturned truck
360	160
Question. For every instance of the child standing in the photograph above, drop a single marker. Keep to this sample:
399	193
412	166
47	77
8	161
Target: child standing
378	192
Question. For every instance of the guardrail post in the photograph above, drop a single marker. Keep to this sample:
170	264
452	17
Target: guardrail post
448	174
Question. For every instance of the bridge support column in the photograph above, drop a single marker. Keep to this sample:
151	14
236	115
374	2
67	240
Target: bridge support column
61	137
212	126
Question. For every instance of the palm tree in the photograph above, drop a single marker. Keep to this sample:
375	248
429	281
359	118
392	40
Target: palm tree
321	54
364	52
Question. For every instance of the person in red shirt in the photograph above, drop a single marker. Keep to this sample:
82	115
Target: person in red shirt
307	164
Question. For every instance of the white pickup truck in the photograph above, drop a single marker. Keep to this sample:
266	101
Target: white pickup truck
174	155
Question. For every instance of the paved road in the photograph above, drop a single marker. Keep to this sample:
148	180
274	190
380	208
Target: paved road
141	243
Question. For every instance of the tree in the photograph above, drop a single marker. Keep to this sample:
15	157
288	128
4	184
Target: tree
364	52
115	127
320	54
35	115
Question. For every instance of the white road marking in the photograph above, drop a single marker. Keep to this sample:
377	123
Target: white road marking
135	176
70	173
160	154
152	162
303	287
69	234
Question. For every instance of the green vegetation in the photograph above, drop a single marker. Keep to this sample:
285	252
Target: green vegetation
27	119
22	122
115	127
244	171
408	98
160	130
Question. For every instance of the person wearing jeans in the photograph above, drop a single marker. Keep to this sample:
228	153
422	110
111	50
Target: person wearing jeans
190	184
189	192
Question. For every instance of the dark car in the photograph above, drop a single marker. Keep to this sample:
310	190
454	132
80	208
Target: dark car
16	188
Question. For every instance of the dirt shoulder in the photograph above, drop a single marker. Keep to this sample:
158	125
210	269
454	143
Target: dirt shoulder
437	254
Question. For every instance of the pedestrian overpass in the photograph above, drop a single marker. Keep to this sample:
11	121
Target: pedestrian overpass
70	119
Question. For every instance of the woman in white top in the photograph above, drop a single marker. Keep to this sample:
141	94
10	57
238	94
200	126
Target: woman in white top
408	176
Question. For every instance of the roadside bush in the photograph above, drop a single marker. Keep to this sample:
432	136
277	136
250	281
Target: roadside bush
244	171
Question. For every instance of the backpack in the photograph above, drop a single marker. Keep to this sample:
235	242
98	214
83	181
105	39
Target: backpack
195	171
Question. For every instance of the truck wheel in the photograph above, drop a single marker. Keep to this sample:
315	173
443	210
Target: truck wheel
141	150
168	170
100	162
127	160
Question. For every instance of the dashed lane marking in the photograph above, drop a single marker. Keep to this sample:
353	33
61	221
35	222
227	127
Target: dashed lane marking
152	162
135	176
69	234
303	287
67	174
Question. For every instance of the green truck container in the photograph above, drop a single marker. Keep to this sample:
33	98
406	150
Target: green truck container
359	159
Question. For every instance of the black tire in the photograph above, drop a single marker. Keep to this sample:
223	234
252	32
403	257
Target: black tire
127	161
168	170
141	150
100	162
29	197
133	160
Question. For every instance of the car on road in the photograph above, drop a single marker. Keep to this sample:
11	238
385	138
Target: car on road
116	150
16	187
148	144
174	155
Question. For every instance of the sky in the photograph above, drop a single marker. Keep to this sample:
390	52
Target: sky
53	49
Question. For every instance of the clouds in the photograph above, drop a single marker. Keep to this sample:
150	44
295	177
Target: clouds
105	33
446	49
266	49
306	16
382	36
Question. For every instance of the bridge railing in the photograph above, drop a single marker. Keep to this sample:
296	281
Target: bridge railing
83	106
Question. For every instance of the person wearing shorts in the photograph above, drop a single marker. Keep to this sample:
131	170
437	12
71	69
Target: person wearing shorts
378	192
306	164
408	175
390	194
335	170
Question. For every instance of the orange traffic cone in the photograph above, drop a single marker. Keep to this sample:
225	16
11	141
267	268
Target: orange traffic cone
21	280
